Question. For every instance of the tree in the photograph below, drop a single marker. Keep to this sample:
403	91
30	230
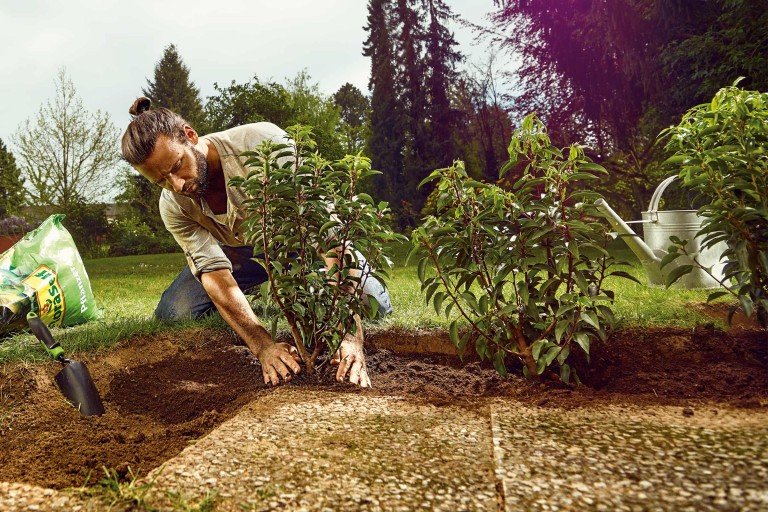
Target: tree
297	102
172	88
441	60
355	112
412	121
387	138
142	199
67	154
614	73
311	107
485	119
251	102
12	196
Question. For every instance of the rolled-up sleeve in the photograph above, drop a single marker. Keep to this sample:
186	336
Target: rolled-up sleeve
201	249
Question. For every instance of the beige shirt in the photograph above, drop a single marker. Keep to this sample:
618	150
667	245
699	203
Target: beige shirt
197	230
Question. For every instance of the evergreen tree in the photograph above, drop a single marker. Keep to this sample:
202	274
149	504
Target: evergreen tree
12	197
413	66
441	59
409	40
355	111
387	139
172	88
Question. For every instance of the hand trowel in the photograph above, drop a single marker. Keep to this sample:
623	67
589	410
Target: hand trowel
73	380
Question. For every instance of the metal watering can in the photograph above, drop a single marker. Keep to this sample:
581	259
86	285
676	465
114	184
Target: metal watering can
658	226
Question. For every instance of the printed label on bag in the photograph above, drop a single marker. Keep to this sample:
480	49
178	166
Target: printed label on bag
50	300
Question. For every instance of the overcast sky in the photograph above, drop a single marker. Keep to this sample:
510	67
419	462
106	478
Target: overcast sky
110	48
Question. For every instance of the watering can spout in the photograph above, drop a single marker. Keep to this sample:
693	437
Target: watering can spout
639	247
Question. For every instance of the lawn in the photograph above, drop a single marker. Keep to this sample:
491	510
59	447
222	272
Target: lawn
128	288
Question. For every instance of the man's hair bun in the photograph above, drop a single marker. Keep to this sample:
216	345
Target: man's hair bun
140	106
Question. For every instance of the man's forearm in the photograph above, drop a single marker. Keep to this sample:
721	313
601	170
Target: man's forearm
235	309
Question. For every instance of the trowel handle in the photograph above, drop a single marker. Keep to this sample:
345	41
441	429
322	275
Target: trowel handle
43	334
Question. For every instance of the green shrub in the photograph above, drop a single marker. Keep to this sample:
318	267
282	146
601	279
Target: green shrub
721	149
305	212
524	268
129	237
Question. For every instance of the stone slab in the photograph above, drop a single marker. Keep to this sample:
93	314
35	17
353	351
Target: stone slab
300	450
633	459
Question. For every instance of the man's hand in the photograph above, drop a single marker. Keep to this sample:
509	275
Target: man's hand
278	360
350	358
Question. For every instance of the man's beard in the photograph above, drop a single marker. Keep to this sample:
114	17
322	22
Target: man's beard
201	181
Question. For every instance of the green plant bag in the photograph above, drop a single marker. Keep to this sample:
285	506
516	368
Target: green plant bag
43	273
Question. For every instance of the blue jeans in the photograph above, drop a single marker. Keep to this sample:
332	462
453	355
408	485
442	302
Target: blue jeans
186	298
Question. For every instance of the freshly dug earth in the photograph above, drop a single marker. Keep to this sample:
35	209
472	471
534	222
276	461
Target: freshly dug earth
162	393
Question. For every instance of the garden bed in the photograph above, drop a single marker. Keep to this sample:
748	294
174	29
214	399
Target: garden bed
162	393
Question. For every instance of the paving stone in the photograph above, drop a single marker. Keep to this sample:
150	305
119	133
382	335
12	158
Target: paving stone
300	450
625	458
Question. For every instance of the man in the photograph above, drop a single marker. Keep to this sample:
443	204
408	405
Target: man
205	216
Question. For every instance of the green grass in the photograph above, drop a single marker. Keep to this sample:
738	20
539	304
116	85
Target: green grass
128	288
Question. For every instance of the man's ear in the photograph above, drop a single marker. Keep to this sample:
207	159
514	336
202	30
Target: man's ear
191	134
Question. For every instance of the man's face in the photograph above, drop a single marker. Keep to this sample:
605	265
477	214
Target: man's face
177	166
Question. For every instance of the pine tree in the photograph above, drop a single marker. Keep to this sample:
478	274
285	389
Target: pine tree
441	59
172	88
12	196
386	142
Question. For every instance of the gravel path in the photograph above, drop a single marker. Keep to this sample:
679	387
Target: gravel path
315	451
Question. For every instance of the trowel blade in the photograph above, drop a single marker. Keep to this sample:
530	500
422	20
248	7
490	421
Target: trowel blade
76	384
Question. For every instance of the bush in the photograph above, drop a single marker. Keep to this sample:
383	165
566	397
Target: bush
131	237
524	268
304	209
721	149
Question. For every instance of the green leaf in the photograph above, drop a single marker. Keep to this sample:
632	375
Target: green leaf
431	290
676	273
438	301
625	275
470	299
582	340
590	318
374	306
669	258
551	355
537	347
365	197
422	269
328	225
453	332
716	295
415	249
565	373
498	363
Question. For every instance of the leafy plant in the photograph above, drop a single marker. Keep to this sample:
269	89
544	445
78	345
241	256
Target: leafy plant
305	213
524	268
721	149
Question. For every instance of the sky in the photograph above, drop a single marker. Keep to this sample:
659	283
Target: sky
110	48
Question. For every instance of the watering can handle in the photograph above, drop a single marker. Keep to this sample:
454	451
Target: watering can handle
656	197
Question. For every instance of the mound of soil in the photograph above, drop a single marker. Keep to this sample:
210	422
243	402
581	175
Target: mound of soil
162	393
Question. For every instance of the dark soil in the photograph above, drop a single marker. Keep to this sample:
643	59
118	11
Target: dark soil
162	393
